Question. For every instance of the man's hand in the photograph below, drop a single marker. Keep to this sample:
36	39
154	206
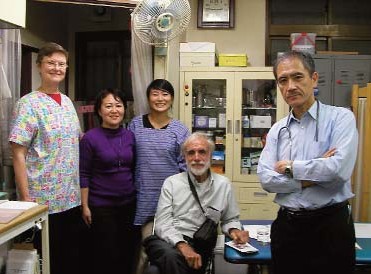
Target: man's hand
193	259
281	166
239	236
329	153
305	184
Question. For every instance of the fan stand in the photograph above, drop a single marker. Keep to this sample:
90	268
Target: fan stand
161	59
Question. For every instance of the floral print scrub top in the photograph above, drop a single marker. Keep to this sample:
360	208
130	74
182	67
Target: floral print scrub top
51	133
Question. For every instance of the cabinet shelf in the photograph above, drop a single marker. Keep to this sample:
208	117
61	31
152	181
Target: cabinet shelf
207	128
201	108
259	108
256	128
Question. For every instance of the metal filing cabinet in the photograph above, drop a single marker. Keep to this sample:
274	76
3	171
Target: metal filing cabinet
337	74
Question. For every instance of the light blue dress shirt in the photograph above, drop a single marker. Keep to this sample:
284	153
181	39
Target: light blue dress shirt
336	129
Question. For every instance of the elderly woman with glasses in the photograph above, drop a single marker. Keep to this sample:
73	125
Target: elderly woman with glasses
44	138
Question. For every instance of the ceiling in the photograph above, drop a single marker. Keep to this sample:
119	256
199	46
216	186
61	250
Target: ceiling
7	25
110	3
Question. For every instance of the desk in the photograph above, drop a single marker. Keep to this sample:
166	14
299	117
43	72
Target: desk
263	257
37	214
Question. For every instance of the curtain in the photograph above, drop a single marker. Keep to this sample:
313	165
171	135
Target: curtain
141	72
357	182
10	77
361	179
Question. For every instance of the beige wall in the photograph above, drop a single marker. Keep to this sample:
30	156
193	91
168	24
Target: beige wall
13	11
59	23
248	35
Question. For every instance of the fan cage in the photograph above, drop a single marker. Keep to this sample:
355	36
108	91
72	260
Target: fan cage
145	20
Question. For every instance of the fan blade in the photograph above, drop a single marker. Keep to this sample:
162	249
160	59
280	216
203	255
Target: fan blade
158	21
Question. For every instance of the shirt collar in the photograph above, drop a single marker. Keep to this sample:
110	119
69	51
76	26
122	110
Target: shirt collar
210	178
312	112
313	109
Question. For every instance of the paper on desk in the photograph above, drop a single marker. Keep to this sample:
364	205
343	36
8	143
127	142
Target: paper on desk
362	230
246	248
17	205
6	215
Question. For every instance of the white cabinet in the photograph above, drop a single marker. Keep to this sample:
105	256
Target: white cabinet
236	107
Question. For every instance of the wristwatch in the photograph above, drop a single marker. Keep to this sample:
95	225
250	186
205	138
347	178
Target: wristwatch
288	169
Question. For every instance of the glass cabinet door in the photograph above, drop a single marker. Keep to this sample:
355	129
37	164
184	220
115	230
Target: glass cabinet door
206	110
235	109
255	110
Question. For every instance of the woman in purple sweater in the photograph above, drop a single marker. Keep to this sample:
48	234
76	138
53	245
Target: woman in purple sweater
108	194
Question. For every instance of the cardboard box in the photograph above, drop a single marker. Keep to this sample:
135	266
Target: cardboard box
197	59
232	60
197	54
197	47
257	121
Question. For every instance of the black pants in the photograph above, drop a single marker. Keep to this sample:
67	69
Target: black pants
114	239
65	242
320	243
169	260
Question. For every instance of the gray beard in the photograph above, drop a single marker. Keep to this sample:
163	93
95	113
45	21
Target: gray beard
198	171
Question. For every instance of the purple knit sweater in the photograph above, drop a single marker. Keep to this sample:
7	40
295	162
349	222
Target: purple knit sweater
107	165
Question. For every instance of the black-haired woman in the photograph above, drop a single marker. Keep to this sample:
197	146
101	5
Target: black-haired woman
158	152
108	195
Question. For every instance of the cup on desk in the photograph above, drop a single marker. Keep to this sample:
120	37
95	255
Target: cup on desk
263	234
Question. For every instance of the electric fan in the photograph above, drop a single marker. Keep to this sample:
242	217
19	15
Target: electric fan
156	22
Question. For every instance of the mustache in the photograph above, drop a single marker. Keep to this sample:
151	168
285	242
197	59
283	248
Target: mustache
197	163
292	94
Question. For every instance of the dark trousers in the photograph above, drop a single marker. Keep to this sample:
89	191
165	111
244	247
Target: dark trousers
65	242
114	239
320	243
169	260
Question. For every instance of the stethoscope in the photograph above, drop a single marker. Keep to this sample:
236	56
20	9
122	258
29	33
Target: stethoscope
286	127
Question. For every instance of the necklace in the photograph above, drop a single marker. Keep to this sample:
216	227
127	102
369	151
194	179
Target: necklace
115	150
119	163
